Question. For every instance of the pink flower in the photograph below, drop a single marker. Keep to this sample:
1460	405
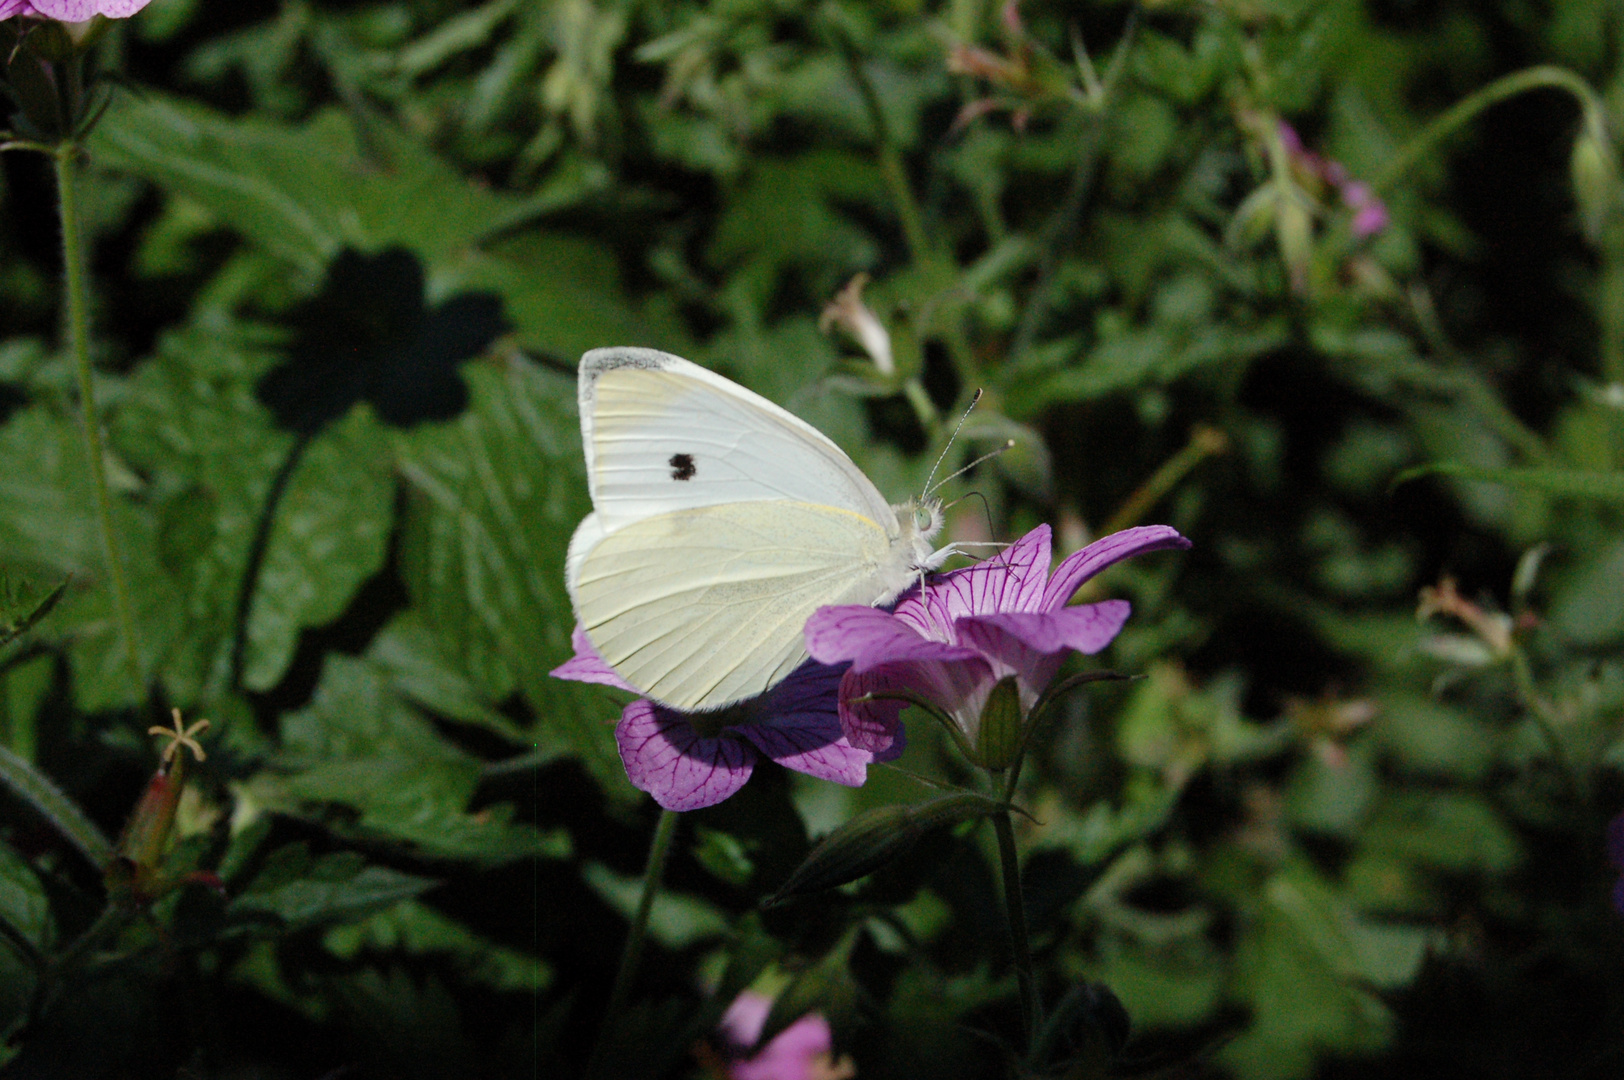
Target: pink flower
688	761
1005	618
70	10
1369	212
802	1051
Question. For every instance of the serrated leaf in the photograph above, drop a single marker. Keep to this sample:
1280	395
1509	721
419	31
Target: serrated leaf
496	497
362	747
299	891
330	533
301	192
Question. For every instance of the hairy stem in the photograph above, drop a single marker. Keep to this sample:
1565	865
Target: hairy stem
78	318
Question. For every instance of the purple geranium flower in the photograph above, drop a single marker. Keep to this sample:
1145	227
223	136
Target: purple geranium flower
802	1051
1005	617
70	10
1615	855
692	760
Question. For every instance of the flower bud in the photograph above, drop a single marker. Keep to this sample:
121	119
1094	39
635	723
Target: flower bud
875	837
1594	173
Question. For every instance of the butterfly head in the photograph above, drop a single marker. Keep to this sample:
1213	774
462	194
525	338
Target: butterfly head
921	520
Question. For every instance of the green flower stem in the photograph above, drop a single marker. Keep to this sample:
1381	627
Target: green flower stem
1204	443
1534	78
620	995
1015	911
1546	719
78	315
891	170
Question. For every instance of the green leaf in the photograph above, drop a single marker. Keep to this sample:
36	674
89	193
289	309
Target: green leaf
299	891
301	192
360	746
1300	968
409	653
496	495
190	422
676	921
1567	483
22	605
416	929
330	534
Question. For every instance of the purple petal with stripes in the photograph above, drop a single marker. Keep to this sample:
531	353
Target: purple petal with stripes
869	637
1011	580
667	758
800	727
1079	567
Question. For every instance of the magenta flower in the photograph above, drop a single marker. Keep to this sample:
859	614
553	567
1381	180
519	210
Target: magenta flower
70	10
1615	855
1369	212
693	760
1005	618
802	1051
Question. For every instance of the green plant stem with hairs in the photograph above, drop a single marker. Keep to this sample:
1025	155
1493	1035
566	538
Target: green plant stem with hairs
632	955
75	273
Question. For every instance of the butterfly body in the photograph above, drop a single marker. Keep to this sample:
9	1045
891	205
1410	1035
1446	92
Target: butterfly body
720	523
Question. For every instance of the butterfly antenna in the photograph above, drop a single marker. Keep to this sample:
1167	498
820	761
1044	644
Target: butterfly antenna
939	457
1008	445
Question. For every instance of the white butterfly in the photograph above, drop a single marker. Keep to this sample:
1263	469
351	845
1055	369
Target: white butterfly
720	523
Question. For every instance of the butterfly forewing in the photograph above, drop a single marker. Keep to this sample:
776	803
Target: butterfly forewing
665	435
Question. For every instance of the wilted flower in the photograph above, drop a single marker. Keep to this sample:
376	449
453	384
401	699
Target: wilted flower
848	312
1492	629
802	1051
980	645
691	760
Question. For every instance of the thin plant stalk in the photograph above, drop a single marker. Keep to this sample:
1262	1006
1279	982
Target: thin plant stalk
1020	941
78	319
620	996
1457	115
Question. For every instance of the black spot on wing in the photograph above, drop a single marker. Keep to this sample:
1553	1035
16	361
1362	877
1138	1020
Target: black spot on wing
682	466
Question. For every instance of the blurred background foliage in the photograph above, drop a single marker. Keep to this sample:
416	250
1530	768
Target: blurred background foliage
345	258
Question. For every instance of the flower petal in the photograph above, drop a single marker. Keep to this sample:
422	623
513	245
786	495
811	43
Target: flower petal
587	666
1011	580
800	728
793	1054
744	1019
1086	628
1080	566
957	687
667	758
869	637
874	725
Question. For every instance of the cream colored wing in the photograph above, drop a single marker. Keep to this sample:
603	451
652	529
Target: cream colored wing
703	607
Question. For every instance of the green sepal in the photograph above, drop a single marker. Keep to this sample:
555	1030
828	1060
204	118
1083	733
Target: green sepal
999	736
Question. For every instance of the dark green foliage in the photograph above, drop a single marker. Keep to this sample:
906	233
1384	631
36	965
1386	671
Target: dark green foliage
345	260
